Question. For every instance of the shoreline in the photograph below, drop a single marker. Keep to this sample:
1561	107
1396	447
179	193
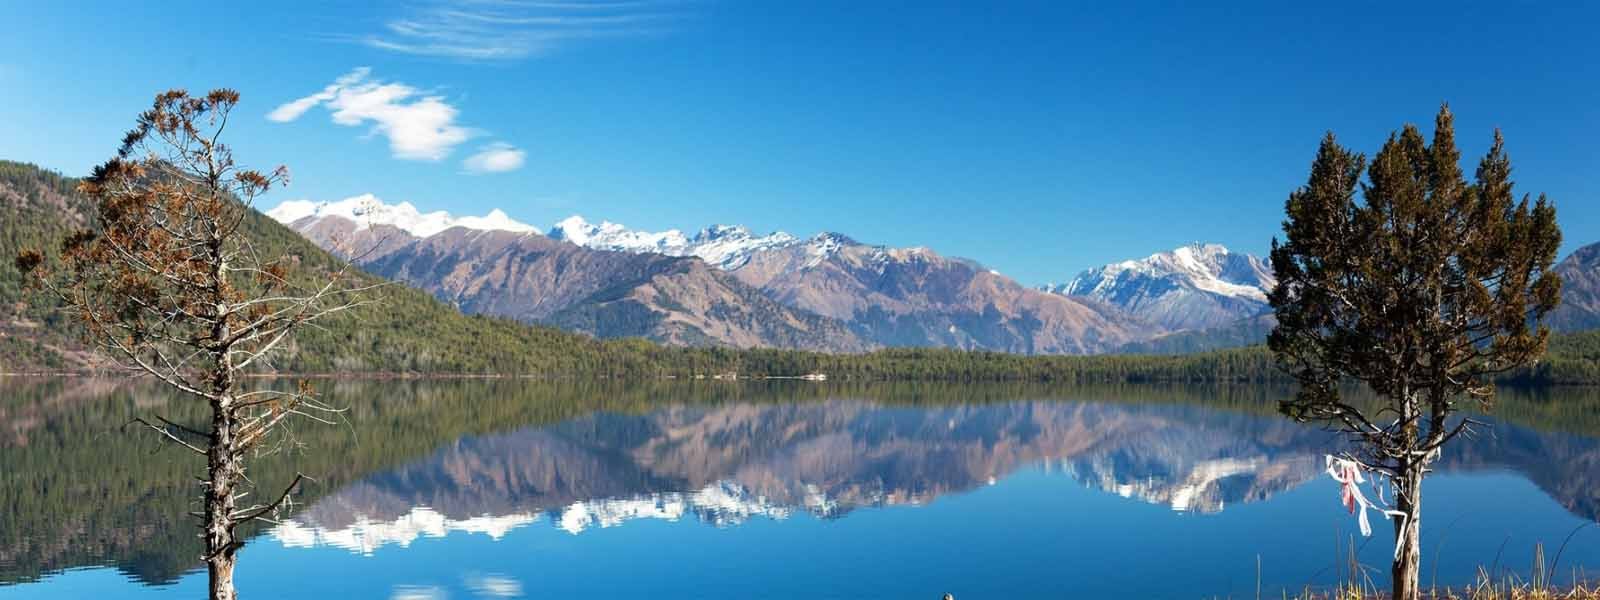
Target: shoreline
387	375
404	376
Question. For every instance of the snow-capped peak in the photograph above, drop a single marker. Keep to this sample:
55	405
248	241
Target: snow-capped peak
730	246
496	220
615	236
1197	286
1208	267
367	210
292	210
825	245
723	246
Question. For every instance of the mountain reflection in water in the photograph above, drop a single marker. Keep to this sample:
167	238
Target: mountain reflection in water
724	465
724	490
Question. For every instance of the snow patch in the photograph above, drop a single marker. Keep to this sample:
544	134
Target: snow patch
367	210
726	247
823	246
1206	267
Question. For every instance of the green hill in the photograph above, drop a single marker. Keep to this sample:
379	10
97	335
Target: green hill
409	331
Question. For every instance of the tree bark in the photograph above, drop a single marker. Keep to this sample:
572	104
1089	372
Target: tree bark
1408	534
223	464
223	473
221	572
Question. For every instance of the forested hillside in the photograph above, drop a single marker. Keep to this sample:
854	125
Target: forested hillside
37	210
1238	334
408	331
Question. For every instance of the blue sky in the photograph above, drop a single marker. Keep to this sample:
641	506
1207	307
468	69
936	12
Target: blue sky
1038	138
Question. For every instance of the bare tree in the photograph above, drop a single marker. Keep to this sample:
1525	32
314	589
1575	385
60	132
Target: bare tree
1423	290
168	283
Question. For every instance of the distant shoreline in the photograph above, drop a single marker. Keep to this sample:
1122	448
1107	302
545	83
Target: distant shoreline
393	376
387	375
1573	360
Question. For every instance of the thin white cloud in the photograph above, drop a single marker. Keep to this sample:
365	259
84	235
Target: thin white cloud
498	157
418	126
497	30
290	111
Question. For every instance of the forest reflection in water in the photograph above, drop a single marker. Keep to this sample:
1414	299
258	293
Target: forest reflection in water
486	458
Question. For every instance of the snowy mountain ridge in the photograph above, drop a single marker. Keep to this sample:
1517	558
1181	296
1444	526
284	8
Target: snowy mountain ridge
1210	267
827	291
726	247
367	210
1190	287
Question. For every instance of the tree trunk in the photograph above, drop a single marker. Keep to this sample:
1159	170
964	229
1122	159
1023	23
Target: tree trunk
224	470
223	465
221	571
1408	534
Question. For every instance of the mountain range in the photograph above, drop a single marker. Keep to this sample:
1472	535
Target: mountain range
727	286
720	286
413	331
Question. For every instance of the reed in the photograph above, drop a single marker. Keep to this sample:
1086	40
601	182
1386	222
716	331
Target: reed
1355	583
1541	583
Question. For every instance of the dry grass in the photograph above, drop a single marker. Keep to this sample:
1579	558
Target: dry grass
1356	584
1483	590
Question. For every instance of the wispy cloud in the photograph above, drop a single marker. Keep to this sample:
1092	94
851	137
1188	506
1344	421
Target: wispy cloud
290	111
500	30
498	157
418	125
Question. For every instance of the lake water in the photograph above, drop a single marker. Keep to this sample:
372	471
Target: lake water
507	489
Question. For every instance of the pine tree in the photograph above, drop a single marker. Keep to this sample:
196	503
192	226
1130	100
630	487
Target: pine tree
1423	290
170	285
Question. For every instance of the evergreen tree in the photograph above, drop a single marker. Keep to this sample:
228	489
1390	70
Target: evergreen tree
1424	290
169	284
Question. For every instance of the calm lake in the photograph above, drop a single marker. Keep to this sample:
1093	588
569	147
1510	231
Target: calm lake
509	489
